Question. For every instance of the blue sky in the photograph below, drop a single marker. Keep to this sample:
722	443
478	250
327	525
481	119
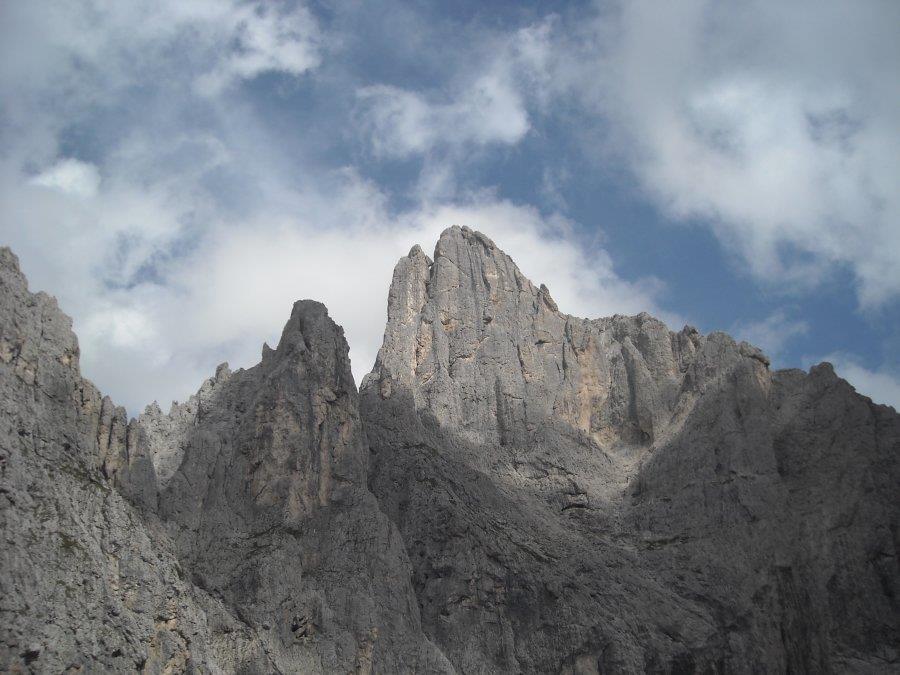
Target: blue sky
178	173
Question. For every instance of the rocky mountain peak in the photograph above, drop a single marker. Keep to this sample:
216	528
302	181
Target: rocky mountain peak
234	533
473	341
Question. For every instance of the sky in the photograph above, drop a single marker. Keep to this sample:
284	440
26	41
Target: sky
178	174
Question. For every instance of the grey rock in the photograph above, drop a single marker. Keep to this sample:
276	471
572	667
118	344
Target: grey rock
235	534
84	582
268	508
610	496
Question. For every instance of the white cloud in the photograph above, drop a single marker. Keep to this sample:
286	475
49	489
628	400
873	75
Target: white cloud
205	227
879	385
82	53
243	283
119	82
772	333
267	39
124	328
399	122
402	123
484	107
70	176
200	235
776	123
164	282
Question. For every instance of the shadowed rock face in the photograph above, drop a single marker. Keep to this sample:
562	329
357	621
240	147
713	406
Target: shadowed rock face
514	490
606	495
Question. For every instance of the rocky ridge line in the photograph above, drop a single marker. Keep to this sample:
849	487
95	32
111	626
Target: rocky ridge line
513	490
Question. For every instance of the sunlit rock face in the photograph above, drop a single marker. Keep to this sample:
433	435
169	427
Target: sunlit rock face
607	495
512	490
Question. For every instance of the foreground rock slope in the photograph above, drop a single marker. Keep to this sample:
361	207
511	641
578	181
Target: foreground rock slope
609	496
514	490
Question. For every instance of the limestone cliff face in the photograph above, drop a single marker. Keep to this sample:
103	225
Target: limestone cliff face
607	495
235	534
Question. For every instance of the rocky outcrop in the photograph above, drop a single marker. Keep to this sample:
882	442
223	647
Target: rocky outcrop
235	534
609	496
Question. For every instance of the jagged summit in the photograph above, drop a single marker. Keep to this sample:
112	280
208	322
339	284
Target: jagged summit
489	352
512	490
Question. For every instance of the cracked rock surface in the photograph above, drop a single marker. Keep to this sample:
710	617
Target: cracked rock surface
610	496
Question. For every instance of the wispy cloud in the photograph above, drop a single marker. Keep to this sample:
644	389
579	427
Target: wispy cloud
487	105
402	123
262	38
159	183
774	123
70	176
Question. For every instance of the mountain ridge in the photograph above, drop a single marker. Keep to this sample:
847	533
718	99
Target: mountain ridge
512	490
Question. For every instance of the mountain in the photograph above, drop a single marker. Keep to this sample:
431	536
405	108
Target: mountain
512	490
235	534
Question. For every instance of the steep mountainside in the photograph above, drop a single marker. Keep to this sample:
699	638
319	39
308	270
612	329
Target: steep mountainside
609	496
513	490
248	541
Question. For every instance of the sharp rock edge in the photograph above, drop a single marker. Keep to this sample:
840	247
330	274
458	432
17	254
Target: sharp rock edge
513	490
